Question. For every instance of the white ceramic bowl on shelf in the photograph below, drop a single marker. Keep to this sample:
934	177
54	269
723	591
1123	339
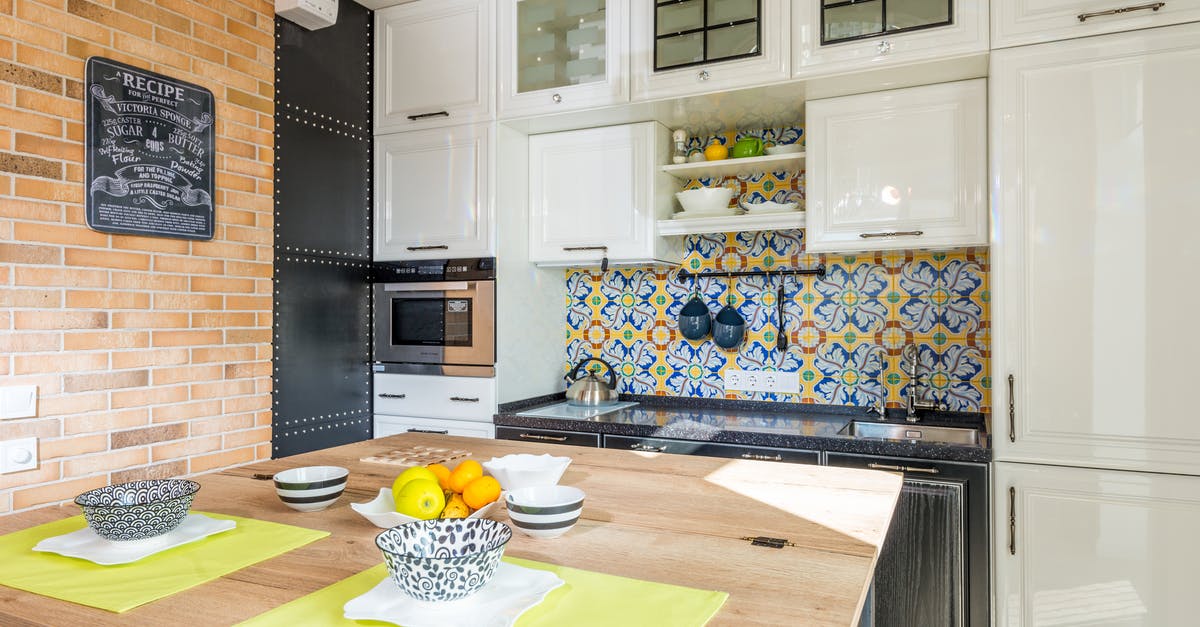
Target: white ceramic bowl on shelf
712	200
784	149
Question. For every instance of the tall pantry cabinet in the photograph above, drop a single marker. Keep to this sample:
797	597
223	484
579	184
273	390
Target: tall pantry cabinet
1097	481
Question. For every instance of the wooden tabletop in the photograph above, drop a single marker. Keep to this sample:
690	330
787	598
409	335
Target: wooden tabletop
660	517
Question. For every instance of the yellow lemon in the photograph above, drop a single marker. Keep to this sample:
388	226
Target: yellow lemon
716	151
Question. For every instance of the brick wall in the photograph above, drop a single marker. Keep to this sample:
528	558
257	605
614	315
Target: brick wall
152	356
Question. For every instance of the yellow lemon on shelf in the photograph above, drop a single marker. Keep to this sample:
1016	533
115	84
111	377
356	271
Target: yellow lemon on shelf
716	151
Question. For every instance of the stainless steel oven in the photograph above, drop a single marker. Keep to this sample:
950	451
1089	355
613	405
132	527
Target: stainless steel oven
438	316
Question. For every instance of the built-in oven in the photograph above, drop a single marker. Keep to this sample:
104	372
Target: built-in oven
436	316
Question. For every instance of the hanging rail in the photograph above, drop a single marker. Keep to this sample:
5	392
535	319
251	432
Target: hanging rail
819	271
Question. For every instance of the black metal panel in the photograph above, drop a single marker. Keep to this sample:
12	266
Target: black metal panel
322	188
327	72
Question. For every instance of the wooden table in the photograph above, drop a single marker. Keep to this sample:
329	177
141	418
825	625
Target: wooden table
668	518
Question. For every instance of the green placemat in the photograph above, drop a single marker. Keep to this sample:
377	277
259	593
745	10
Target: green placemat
123	587
586	599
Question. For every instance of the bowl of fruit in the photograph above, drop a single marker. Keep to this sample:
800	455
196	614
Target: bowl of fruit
433	491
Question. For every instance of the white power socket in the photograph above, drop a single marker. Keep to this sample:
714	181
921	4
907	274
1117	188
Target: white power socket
18	455
762	381
18	401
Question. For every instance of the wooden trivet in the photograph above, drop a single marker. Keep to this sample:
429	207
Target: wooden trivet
417	456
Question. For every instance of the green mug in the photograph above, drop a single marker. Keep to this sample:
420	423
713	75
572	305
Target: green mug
747	147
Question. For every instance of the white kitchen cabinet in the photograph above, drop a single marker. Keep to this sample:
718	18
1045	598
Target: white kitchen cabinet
771	52
432	194
598	193
433	64
898	169
1075	546
1037	21
1094	252
395	425
823	46
562	55
435	396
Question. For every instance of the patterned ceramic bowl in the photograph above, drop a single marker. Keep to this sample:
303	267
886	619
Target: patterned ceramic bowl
139	509
443	559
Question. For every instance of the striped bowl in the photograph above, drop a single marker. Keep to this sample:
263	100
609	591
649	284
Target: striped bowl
544	511
312	488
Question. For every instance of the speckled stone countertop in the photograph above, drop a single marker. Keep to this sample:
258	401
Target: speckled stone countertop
754	423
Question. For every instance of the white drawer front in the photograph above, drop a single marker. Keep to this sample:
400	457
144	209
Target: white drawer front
395	425
457	398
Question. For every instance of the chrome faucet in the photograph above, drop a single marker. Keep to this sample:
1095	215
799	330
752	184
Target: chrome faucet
880	406
909	356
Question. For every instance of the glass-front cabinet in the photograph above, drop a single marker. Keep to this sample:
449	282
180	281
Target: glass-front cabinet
840	35
694	32
560	55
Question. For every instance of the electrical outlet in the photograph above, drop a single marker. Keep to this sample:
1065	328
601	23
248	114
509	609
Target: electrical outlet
782	382
762	381
18	455
18	401
734	380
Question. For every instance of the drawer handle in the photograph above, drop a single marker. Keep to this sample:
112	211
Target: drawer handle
1012	411
765	458
386	395
431	247
547	438
1152	6
928	471
1012	520
463	399
641	446
426	116
438	431
892	234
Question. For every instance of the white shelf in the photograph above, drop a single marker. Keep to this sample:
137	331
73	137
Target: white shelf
726	224
735	167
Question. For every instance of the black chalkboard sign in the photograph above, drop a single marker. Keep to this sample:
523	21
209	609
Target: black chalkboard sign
149	159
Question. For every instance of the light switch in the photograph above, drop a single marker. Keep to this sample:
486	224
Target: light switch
18	455
18	401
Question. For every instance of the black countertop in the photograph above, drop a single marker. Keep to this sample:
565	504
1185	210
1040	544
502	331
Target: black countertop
754	423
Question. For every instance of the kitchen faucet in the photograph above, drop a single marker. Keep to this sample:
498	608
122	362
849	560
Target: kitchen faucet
880	406
909	356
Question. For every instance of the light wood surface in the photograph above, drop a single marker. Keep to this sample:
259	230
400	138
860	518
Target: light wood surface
668	518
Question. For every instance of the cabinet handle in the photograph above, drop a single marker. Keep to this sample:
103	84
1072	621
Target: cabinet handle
433	247
641	446
765	458
1012	520
463	399
1153	6
437	431
426	116
891	234
928	471
557	98
704	75
1012	412
547	438
884	47
386	395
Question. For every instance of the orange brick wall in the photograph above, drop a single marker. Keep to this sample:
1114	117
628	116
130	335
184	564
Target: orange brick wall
152	356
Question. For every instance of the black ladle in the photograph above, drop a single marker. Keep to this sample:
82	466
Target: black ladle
781	328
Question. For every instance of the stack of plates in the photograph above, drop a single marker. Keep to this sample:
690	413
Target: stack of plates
762	208
718	213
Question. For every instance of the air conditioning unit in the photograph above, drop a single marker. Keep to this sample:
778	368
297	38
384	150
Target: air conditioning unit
311	14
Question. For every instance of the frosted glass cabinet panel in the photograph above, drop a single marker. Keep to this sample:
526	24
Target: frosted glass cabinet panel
1094	255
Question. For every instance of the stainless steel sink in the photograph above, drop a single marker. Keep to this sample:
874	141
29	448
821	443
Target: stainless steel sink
914	432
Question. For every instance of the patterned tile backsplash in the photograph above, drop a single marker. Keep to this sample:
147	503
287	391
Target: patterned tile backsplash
845	331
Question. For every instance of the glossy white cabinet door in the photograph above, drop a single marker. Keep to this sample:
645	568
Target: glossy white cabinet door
966	35
598	191
433	64
1094	547
432	198
1016	23
772	66
549	62
386	425
905	168
1094	254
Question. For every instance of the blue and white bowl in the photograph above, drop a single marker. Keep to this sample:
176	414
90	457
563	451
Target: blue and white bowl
544	511
443	559
139	509
311	488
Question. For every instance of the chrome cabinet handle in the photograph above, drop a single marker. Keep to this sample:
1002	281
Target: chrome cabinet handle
386	395
1012	412
557	98
884	47
432	247
704	75
1152	6
765	458
426	116
440	432
928	471
463	399
641	446
547	438
1012	520
892	234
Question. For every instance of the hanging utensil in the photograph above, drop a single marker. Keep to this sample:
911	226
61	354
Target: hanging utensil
781	328
729	326
695	320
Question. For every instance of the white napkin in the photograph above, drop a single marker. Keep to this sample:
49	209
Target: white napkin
500	603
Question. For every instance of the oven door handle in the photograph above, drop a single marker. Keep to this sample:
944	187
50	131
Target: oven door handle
434	286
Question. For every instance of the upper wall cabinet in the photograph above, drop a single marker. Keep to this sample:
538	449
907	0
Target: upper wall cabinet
1035	21
685	47
905	168
433	64
432	194
562	55
833	36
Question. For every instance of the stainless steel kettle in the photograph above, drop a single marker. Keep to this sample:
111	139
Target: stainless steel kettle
588	390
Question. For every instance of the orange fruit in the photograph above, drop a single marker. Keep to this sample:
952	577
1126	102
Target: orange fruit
481	491
443	475
465	473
